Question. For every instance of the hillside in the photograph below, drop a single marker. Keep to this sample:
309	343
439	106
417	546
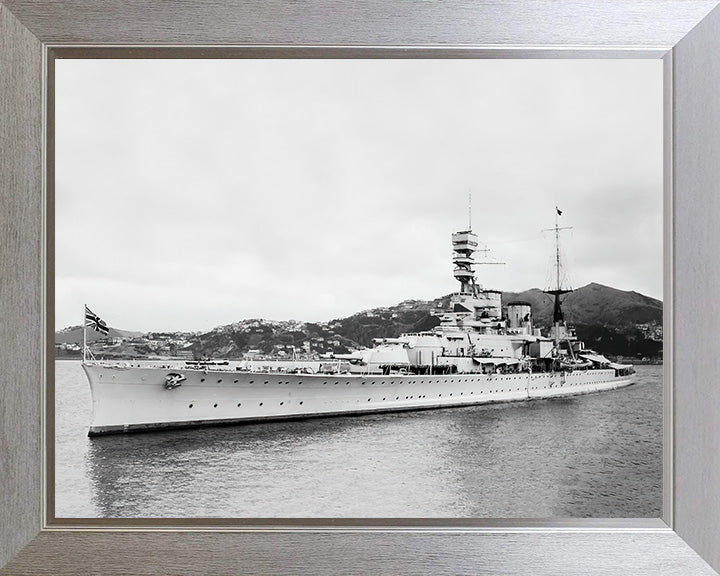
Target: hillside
593	304
74	335
615	322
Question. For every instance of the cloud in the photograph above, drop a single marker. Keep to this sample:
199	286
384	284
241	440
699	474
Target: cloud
195	193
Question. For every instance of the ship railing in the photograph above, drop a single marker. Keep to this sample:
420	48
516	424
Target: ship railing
426	333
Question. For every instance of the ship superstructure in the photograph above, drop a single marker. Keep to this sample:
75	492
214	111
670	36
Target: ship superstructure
480	352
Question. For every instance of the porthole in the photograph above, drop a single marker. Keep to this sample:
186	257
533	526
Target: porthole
368	399
235	381
239	404
299	382
219	380
261	403
252	381
202	379
266	381
383	398
281	403
190	406
214	405
301	402
439	395
397	397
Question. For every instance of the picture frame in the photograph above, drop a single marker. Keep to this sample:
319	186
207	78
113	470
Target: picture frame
686	35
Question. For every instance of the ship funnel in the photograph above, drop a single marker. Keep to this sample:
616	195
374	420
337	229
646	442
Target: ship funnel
519	315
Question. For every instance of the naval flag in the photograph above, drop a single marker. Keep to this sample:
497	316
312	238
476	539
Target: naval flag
93	321
558	211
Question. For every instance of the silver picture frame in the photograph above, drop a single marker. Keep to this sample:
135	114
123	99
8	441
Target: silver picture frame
684	34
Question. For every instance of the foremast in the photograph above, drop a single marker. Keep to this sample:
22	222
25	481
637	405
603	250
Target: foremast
464	246
472	308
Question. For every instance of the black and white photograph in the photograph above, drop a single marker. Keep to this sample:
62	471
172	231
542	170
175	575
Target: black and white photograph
365	288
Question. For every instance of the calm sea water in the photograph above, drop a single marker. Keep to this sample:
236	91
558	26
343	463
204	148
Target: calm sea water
597	455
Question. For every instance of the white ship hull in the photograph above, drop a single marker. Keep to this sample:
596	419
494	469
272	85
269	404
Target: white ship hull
129	399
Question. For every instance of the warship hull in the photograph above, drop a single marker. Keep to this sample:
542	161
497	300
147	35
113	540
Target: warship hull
135	399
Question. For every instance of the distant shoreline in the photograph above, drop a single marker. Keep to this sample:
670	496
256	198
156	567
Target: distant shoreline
652	362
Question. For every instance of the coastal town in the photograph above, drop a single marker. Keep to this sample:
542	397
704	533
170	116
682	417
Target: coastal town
626	324
258	340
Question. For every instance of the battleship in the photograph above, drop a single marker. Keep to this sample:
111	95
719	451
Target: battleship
480	352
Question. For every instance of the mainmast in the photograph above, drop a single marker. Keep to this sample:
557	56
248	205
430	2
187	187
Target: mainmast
558	290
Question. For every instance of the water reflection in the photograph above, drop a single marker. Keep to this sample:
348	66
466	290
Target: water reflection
375	465
597	455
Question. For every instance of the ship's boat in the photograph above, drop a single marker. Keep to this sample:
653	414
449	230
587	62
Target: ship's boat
480	352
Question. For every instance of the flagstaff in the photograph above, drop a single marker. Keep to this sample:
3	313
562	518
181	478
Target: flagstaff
97	324
85	334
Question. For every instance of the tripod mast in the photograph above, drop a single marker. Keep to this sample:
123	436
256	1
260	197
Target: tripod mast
558	291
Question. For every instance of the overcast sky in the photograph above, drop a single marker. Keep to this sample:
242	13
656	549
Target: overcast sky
195	193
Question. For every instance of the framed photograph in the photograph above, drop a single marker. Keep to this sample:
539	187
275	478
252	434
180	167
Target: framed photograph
280	257
634	107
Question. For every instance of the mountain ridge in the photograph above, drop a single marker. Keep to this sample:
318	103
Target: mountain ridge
623	323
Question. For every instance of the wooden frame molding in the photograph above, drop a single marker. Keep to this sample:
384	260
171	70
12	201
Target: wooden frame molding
684	33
